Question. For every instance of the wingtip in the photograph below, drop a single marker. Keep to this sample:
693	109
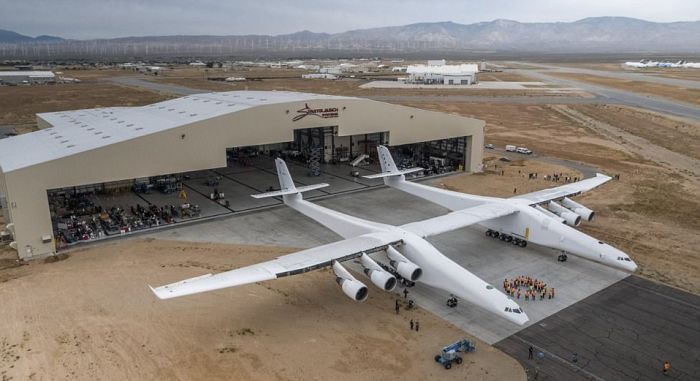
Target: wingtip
156	293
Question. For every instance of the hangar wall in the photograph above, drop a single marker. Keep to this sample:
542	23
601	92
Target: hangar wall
202	145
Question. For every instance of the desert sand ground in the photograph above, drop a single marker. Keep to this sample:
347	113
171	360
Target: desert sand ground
92	317
20	104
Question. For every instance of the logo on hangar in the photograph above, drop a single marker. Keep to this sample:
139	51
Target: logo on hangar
328	112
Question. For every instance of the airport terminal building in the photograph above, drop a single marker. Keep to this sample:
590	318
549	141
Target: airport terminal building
89	174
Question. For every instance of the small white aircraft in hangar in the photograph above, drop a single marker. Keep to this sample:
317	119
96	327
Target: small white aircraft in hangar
409	256
519	219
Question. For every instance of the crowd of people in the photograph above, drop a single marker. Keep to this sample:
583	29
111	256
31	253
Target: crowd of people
530	288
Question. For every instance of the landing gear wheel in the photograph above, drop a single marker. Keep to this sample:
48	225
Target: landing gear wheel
495	235
502	237
562	258
488	233
448	365
509	238
458	360
515	241
437	358
522	243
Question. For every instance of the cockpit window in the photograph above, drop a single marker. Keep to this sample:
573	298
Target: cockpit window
601	242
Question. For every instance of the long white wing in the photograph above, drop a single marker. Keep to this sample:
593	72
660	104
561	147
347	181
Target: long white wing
567	190
291	264
459	219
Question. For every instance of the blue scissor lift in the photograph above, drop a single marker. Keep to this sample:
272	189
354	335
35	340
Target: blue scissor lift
450	353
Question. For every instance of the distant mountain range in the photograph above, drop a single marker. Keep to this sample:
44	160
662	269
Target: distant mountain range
10	37
591	35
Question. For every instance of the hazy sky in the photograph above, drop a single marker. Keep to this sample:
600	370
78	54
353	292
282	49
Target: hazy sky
117	18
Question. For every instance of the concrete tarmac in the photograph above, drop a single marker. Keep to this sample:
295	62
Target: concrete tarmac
624	332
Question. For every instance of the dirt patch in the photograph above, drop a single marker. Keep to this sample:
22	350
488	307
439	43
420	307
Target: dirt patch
20	104
676	135
506	179
672	92
503	76
92	316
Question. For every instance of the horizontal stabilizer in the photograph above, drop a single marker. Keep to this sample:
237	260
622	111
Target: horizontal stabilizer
296	190
394	173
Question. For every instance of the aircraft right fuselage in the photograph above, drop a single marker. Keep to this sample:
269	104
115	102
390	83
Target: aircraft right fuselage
531	225
528	224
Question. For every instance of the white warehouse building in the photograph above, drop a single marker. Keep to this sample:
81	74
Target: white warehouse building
26	76
463	74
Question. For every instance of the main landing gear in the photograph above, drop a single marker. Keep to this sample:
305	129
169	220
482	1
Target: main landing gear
562	257
506	238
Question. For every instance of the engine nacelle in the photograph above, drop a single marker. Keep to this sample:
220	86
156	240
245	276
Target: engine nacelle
549	214
570	218
381	279
377	275
351	287
579	209
403	266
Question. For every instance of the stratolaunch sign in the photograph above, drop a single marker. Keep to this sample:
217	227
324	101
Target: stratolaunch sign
328	112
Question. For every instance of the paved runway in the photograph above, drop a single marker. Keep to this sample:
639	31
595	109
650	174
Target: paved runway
156	86
624	332
616	96
630	75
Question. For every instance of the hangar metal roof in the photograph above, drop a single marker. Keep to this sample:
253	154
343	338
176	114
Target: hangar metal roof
78	131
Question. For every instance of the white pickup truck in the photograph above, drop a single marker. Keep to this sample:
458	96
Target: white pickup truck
523	150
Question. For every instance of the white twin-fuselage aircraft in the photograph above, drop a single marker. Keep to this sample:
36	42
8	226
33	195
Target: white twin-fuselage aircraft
519	219
404	247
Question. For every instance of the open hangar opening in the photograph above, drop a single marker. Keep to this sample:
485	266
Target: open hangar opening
90	174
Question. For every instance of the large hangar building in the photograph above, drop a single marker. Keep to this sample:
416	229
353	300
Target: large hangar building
87	149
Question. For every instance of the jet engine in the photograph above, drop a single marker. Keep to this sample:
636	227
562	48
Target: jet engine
377	275
570	218
403	266
352	287
550	214
579	209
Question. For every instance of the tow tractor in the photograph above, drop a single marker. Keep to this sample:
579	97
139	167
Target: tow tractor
450	353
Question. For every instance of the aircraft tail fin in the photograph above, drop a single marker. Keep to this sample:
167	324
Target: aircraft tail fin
389	168
287	186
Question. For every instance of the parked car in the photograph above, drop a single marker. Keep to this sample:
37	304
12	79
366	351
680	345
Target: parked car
489	146
523	150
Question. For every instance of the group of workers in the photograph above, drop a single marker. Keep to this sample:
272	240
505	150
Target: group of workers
533	288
